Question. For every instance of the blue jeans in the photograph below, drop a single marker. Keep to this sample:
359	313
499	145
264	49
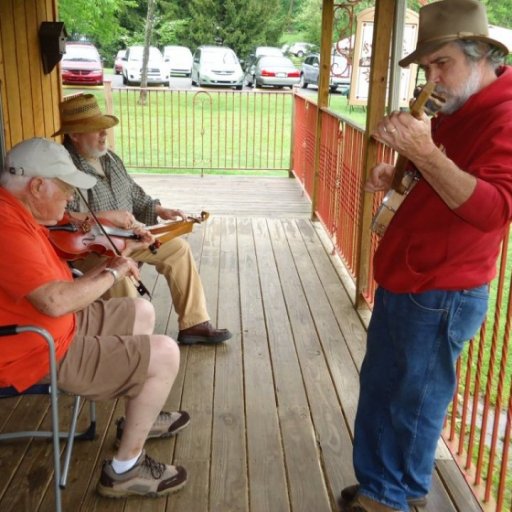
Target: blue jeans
407	381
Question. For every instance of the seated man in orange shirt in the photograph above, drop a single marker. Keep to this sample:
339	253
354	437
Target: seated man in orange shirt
105	349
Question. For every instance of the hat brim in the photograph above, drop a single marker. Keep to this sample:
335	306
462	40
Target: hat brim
88	125
432	46
79	179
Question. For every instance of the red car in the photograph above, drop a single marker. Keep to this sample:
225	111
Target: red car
81	65
118	63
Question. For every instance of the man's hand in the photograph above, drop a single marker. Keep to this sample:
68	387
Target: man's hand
145	240
125	266
407	135
170	214
380	179
119	218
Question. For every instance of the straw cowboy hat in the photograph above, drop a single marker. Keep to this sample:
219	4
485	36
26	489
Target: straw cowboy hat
448	20
81	114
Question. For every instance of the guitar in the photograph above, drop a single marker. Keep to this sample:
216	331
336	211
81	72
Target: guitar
403	182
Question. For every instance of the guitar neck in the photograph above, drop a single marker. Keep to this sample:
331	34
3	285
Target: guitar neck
417	109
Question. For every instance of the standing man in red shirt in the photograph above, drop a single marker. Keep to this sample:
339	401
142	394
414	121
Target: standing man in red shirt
437	257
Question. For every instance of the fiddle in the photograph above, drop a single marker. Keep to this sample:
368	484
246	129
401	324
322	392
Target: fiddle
74	239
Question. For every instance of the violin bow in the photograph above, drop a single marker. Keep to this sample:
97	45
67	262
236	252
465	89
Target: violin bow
138	284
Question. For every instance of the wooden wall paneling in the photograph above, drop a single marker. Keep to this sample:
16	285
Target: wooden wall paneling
12	108
55	82
3	97
21	37
46	11
33	22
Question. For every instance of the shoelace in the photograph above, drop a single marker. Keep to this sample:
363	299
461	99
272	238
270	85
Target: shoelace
164	417
155	468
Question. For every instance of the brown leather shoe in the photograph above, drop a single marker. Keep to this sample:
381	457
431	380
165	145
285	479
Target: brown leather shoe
364	504
349	493
203	333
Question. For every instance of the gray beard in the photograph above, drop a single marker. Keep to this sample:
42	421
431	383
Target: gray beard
95	153
455	100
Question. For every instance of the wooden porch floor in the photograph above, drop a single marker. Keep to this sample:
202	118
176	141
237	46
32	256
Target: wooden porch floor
272	409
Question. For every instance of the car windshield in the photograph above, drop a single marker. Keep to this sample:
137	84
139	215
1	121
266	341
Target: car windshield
136	54
268	50
175	53
276	62
221	57
81	53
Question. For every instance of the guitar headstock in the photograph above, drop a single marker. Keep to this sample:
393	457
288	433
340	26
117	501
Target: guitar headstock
426	100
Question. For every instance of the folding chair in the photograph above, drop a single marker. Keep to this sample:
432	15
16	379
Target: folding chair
60	476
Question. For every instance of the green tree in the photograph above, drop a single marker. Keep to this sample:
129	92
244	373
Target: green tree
499	13
95	21
239	24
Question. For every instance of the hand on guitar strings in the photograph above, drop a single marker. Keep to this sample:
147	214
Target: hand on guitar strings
409	136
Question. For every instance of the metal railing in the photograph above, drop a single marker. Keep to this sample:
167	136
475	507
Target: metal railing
478	427
202	130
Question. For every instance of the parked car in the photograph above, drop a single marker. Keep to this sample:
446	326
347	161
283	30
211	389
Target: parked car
339	77
258	52
158	70
118	62
274	71
179	60
216	65
300	49
81	64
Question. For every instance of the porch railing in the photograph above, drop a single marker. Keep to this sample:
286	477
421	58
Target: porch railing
478	427
207	130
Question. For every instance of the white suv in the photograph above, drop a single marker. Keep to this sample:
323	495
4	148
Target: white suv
158	70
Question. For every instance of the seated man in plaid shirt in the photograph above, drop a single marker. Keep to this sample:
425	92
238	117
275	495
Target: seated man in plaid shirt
117	198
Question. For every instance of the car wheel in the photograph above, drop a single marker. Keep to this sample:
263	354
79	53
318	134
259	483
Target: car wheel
300	54
239	87
334	88
125	82
303	84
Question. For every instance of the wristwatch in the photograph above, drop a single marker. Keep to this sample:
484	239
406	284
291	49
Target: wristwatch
114	272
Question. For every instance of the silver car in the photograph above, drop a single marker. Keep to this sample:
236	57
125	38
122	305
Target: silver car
272	70
339	77
216	65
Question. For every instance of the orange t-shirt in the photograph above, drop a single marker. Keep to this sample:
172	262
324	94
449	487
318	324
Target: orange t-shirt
28	262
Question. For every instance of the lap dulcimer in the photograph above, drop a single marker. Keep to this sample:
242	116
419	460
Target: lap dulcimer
166	231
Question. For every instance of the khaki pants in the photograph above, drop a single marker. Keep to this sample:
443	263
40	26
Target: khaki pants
175	262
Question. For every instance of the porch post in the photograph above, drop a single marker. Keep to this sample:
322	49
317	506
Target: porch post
323	89
396	55
382	31
107	87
